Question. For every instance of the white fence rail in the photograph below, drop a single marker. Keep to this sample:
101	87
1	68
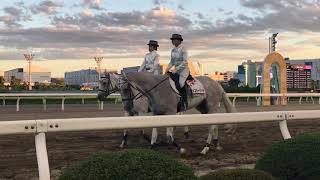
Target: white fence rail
116	97
40	127
45	96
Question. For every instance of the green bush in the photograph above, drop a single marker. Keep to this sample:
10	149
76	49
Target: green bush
238	174
293	159
129	164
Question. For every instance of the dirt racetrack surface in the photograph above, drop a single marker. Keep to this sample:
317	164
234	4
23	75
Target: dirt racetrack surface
18	157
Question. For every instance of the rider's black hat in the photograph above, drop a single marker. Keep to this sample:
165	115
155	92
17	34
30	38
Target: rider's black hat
176	36
153	43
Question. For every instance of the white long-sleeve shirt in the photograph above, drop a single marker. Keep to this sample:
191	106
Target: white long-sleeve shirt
151	63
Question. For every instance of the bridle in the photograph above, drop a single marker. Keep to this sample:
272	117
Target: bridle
109	85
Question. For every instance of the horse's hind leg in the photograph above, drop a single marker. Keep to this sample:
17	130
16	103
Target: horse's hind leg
186	132
124	139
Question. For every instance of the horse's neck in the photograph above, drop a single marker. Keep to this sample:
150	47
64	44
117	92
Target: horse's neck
149	86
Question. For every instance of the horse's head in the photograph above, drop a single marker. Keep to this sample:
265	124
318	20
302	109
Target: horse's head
108	84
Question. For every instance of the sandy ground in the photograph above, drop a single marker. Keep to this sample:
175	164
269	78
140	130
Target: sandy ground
18	159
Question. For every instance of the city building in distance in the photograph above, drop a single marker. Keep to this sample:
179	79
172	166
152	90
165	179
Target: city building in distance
38	75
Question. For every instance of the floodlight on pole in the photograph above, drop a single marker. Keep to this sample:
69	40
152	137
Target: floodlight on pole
29	58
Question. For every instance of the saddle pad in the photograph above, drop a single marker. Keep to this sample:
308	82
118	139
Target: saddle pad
195	86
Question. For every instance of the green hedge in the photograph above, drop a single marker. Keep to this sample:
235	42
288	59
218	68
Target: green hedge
238	174
136	164
293	159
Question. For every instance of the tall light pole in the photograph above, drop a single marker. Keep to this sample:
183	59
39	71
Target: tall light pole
98	60
29	58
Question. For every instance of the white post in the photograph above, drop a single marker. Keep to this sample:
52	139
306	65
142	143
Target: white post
312	99
17	105
3	101
42	156
300	100
44	102
82	100
62	104
284	129
234	101
101	106
248	98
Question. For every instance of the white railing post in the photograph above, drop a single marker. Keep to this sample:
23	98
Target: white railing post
284	129
82	101
300	100
42	156
44	102
62	103
18	105
234	101
3	101
101	105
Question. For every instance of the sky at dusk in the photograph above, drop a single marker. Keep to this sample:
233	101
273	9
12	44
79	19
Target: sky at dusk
65	35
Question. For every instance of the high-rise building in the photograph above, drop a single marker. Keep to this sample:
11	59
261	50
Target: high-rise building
248	73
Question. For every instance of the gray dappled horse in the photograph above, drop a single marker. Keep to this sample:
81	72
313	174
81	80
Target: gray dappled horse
157	96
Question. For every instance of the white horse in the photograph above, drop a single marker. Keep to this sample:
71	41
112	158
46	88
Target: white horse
143	92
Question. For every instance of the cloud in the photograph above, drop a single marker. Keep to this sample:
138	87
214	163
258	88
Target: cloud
93	4
46	7
13	16
157	18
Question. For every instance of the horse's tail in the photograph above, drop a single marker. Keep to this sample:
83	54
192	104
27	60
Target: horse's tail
227	103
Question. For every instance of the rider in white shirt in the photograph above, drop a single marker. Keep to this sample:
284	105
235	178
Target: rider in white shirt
151	59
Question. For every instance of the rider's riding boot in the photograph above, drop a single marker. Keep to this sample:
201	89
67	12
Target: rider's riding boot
183	99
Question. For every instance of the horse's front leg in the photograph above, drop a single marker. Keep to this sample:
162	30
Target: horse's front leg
124	141
186	129
154	136
170	137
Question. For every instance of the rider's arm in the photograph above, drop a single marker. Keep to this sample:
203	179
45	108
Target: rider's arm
142	65
184	63
170	64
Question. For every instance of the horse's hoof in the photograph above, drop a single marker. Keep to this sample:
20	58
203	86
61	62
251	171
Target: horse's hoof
204	151
183	151
123	145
